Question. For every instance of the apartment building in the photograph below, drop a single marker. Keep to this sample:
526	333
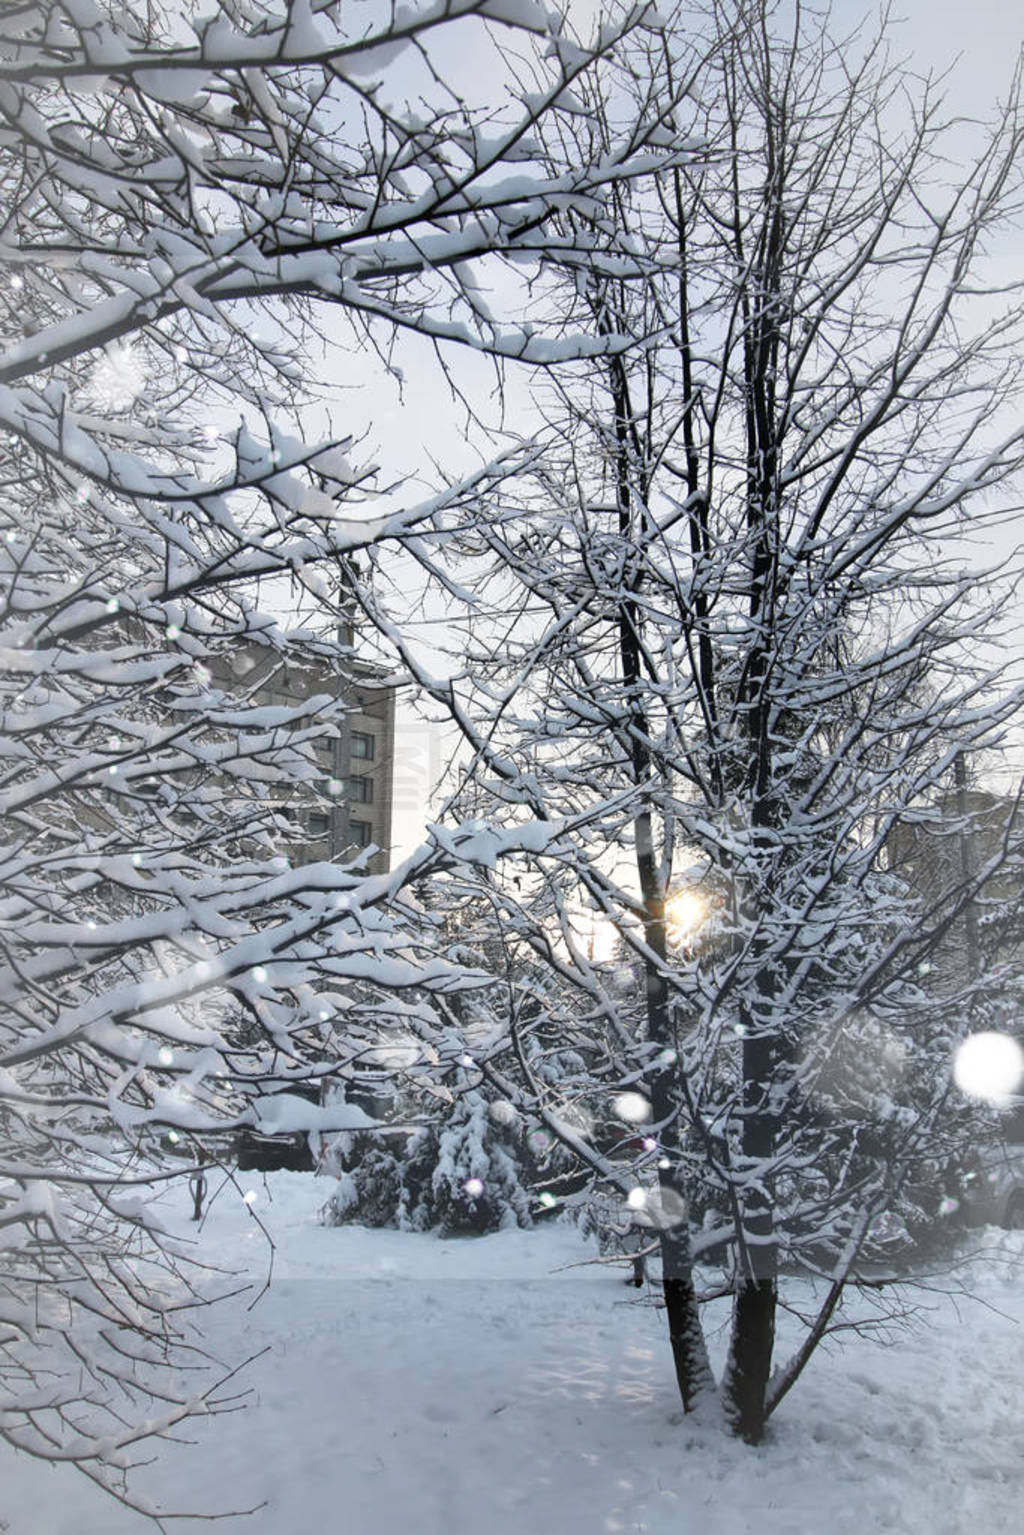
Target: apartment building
361	763
349	807
951	846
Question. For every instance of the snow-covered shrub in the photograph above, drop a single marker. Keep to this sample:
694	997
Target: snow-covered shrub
369	1191
461	1176
475	1185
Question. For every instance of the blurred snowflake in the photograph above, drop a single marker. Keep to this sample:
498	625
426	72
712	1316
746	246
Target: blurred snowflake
118	379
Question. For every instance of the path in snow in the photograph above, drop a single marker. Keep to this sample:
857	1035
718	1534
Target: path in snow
421	1387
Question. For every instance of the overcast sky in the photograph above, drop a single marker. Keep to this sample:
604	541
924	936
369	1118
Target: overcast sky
976	42
984	37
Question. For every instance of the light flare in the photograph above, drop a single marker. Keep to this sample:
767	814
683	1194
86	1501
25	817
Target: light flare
989	1066
686	912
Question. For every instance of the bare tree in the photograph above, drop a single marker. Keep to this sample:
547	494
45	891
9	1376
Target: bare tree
188	208
724	643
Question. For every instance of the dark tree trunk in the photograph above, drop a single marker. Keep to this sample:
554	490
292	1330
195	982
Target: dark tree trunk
750	1361
664	1084
754	1301
686	1334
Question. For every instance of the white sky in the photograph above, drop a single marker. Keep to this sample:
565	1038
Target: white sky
982	36
976	42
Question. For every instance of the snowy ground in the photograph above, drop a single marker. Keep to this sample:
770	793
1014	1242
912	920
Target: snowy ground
420	1387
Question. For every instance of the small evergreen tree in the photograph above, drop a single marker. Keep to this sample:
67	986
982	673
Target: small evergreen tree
462	1174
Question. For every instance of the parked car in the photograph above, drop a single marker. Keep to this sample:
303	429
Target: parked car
994	1184
264	1152
255	1152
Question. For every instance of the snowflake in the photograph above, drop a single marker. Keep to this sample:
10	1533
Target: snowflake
118	379
632	1107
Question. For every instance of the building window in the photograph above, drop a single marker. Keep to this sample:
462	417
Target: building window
360	833
360	790
319	826
363	745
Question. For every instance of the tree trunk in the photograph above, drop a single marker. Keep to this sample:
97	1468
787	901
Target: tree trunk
750	1357
753	1319
686	1334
